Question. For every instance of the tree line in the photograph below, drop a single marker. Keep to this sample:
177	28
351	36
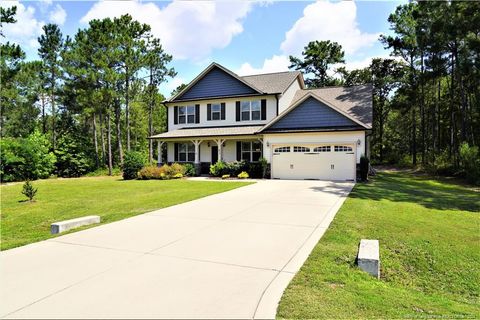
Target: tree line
92	97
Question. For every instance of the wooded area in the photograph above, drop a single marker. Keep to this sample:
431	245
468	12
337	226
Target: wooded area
91	98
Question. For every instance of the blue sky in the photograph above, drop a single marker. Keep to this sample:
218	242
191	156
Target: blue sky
246	37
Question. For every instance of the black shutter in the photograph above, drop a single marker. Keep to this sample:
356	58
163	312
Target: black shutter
222	111
237	110
175	115
209	111
264	109
197	113
239	150
175	157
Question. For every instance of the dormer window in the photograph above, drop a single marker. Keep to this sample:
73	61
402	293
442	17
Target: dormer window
251	110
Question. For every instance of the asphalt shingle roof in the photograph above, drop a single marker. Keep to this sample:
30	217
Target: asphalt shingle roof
272	82
208	132
356	101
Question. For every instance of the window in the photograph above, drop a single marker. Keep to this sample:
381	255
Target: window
282	149
251	151
300	149
216	111
186	114
322	149
343	149
186	152
251	110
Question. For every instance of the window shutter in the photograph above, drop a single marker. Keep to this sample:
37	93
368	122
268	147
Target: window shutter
264	109
209	111
197	113
222	111
175	157
239	150
237	110
175	115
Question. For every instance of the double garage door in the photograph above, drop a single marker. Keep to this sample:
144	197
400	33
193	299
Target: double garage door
314	161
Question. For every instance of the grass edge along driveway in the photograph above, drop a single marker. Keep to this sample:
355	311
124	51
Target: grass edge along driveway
111	198
429	250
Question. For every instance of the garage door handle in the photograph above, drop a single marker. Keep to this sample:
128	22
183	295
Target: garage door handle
350	153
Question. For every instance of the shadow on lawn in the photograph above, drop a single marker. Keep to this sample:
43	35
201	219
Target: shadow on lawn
408	188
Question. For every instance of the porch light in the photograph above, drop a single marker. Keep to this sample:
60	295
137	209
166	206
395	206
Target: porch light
359	142
208	144
268	144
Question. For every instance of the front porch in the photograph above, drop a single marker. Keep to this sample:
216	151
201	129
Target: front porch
196	147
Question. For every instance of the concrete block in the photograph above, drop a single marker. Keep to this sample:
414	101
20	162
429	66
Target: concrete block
66	225
368	258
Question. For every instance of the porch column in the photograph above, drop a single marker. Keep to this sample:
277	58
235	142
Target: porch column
159	152
219	143
197	164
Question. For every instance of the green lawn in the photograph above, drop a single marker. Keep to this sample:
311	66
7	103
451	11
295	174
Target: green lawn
429	234
109	197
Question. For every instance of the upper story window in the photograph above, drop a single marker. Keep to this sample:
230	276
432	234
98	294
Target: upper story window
216	111
250	110
186	114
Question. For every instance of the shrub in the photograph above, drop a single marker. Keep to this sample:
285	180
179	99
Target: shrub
190	170
177	175
264	165
470	162
177	168
243	175
225	176
218	169
133	162
364	167
26	158
29	191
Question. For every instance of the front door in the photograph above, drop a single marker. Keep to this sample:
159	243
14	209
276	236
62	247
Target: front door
214	154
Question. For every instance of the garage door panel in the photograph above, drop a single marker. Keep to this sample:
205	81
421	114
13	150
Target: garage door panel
326	165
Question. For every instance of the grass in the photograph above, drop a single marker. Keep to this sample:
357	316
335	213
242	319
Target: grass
429	232
112	198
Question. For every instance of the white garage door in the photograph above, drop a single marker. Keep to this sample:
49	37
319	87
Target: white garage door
320	161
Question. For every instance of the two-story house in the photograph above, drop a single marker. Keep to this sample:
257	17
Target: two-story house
303	133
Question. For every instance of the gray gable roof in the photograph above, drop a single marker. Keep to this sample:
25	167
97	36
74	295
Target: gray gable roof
356	101
277	82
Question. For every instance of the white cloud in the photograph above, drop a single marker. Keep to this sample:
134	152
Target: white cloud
274	64
323	20
27	28
58	15
187	29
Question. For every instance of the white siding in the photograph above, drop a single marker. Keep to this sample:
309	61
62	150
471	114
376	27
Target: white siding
318	137
286	98
230	116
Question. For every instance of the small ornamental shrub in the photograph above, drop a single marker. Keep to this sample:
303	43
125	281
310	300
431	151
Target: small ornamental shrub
364	167
218	169
470	162
225	176
133	162
29	191
264	166
189	170
243	175
177	168
177	175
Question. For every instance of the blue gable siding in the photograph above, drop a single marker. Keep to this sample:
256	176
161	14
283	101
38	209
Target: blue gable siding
216	83
312	113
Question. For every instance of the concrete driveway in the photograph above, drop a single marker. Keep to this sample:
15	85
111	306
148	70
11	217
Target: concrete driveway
229	255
